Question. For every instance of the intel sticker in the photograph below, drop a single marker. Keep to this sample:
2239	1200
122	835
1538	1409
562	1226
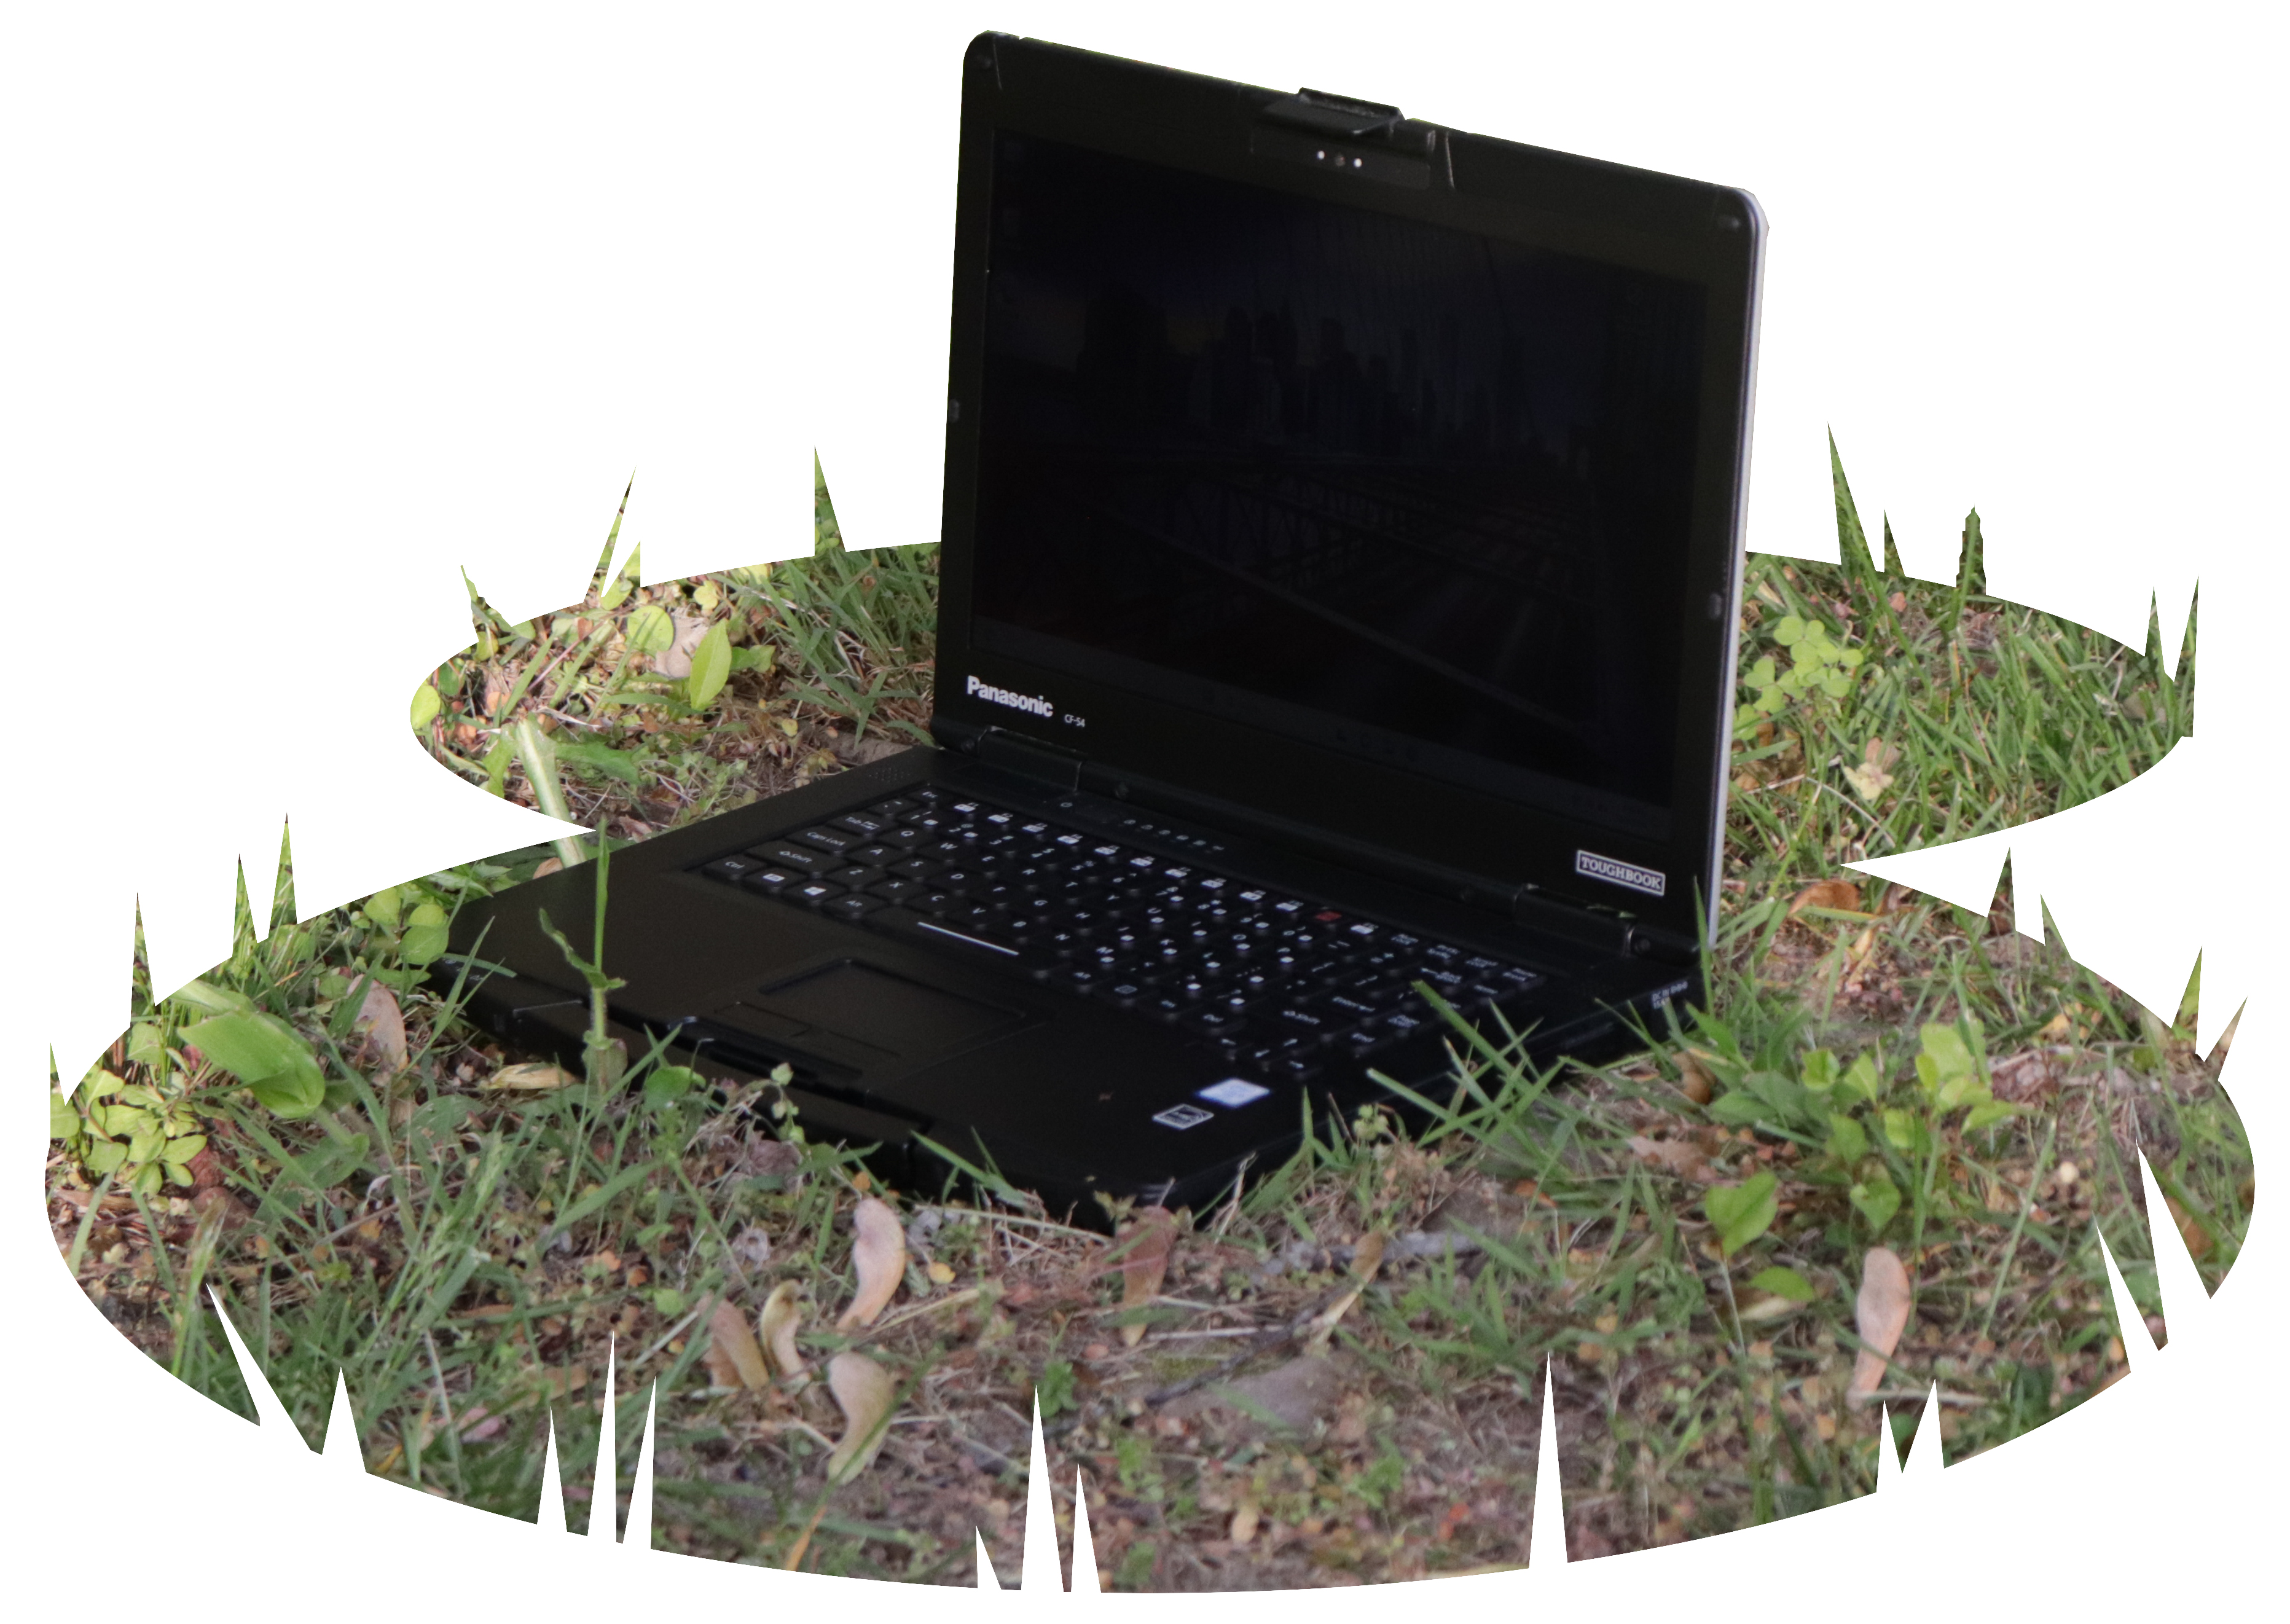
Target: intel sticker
1182	1117
1234	1091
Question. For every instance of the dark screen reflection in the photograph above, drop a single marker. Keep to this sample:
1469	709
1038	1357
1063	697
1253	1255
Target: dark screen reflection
1396	488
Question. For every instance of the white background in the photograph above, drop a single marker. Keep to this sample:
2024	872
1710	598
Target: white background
308	310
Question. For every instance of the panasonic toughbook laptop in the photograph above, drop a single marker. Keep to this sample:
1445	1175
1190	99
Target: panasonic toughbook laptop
1342	540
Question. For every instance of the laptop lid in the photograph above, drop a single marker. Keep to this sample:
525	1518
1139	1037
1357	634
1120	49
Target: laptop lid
1348	475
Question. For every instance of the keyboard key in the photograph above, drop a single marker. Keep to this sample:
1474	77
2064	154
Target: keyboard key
914	868
810	859
863	823
893	889
814	892
1306	1021
1165	1003
732	869
890	811
854	905
855	878
875	855
833	840
771	879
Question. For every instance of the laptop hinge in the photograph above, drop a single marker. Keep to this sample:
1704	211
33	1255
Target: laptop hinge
1611	931
1028	759
1608	932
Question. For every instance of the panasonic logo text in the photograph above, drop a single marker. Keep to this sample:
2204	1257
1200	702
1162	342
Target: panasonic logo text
1615	872
1033	705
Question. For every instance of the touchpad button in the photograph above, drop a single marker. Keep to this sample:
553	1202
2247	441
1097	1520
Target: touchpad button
884	1011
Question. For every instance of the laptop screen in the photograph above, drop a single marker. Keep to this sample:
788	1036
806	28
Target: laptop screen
1401	490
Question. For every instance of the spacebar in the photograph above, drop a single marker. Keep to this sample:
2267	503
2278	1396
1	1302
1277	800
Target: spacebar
916	927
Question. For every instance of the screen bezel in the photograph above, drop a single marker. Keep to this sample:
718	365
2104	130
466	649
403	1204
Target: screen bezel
1548	199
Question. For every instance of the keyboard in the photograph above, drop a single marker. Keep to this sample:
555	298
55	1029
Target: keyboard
1277	982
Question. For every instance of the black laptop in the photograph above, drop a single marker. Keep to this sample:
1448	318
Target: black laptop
1342	540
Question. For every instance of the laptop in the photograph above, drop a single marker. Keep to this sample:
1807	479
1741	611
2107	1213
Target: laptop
1341	558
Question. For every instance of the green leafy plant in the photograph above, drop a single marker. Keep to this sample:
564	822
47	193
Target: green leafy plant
1743	1212
1055	1387
1863	1134
136	1135
1818	665
259	1048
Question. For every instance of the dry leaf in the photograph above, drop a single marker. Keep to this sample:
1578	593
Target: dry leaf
1873	776
1880	1314
548	866
675	659
384	1026
1680	1158
532	1075
777	1325
878	1257
2190	1229
1842	895
1694	1077
1144	1244
865	1393
213	1205
732	1358
1245	1519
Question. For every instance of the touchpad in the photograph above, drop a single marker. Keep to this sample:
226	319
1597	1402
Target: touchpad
882	1011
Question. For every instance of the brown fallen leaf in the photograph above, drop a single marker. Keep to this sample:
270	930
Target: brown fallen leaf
1873	775
1680	1158
878	1257
865	1393
675	661
1244	1519
1695	1079
548	866
383	1026
2190	1229
777	1325
1880	1314
533	1075
217	1206
1842	895
733	1359
1143	1243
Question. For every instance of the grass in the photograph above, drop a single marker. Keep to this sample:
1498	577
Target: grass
466	1253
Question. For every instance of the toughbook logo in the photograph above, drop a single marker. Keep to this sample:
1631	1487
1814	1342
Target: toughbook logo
1031	704
1591	865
